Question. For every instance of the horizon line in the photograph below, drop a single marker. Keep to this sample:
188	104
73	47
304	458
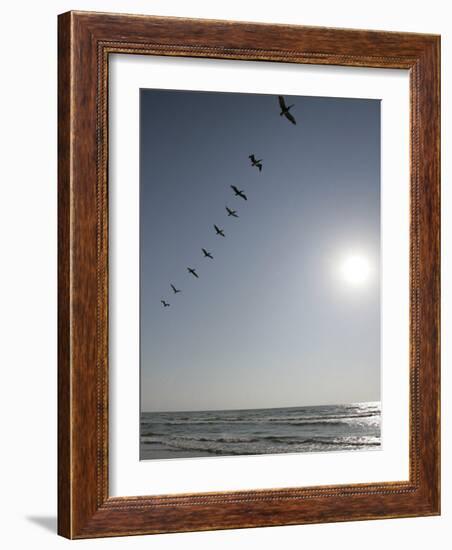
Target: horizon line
261	408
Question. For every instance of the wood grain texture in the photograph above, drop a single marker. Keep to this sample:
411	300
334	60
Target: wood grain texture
85	42
64	294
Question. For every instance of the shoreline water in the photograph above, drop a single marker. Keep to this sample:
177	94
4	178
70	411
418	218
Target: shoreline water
191	434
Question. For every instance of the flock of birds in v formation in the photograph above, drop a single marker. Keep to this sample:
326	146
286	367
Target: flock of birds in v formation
285	111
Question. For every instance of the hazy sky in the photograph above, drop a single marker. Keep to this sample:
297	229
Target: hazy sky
271	321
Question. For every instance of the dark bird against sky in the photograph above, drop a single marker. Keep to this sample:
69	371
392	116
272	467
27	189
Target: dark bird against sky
239	192
219	231
256	162
207	254
231	212
285	110
175	290
193	272
165	304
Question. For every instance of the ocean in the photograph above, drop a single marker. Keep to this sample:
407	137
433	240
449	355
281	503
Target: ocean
180	434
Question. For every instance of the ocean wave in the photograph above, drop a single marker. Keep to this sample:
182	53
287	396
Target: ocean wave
154	438
259	431
345	421
339	420
344	442
286	440
266	444
323	418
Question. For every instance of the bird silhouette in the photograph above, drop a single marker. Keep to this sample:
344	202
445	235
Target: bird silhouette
165	304
256	162
207	254
193	272
238	192
175	290
285	110
219	231
231	212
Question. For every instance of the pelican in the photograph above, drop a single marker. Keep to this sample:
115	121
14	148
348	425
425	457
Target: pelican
207	254
193	272
175	290
238	192
285	110
219	231
256	162
231	212
165	304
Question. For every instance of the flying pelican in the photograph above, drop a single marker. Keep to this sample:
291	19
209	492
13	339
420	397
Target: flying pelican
219	231
256	162
175	290
285	110
193	272
231	212
165	304
238	192
207	254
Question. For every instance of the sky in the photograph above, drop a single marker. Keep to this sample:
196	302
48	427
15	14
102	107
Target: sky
271	321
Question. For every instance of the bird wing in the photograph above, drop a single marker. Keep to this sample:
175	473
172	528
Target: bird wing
204	250
173	287
290	117
244	196
234	188
217	229
260	167
253	158
282	103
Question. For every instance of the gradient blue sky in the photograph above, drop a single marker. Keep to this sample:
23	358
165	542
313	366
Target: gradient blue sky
270	322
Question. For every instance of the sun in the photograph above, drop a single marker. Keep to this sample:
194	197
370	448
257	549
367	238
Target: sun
355	269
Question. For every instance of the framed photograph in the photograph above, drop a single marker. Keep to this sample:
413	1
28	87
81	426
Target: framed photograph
249	260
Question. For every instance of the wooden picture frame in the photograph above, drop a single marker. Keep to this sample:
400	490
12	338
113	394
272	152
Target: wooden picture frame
85	42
